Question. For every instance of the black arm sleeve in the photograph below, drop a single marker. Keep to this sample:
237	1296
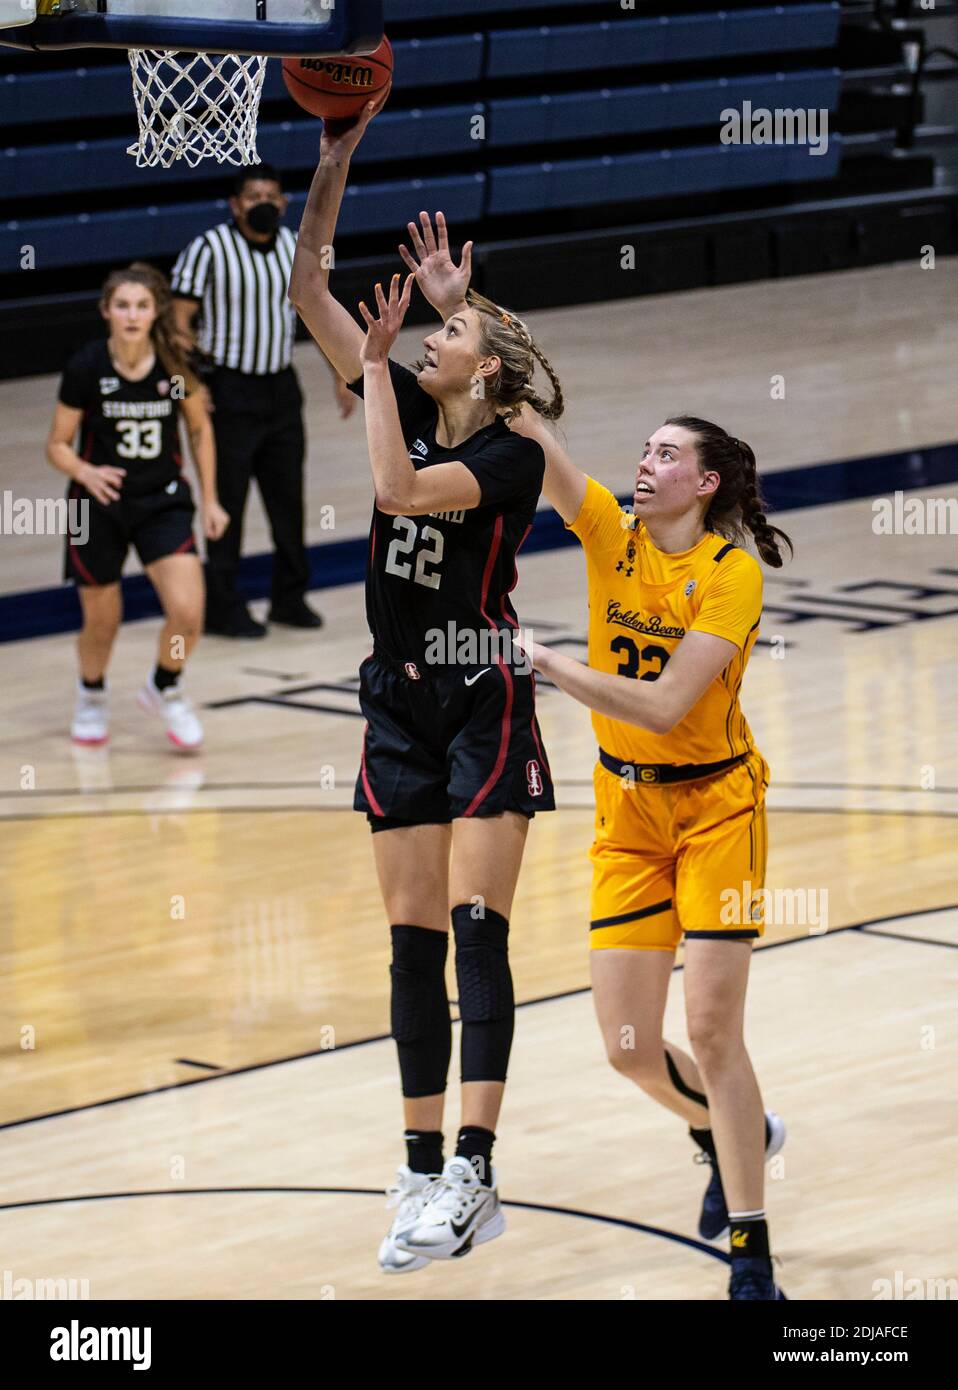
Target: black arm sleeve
417	409
509	469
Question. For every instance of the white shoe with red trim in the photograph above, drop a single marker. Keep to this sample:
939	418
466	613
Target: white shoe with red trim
183	728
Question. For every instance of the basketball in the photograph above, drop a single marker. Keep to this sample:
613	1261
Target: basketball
338	87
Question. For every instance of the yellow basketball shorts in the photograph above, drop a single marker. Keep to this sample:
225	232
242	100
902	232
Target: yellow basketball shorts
683	857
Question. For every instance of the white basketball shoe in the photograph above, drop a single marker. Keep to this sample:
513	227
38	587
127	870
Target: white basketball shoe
409	1195
90	717
183	728
459	1212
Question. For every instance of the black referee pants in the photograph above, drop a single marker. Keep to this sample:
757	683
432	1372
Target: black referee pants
258	423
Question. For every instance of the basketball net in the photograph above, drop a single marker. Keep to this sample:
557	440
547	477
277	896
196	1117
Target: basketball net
196	106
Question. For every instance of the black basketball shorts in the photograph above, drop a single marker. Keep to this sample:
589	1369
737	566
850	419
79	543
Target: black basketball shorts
157	524
448	743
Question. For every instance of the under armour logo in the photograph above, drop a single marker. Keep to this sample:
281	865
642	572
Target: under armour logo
627	568
412	671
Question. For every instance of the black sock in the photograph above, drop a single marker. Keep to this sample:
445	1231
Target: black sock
748	1237
424	1150
93	685
475	1146
163	677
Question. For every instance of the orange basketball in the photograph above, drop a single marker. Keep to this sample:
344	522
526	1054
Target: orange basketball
338	87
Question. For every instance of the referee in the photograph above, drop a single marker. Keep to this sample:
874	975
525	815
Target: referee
236	276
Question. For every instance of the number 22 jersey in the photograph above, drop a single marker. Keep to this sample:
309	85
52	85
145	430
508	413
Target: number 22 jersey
458	567
126	424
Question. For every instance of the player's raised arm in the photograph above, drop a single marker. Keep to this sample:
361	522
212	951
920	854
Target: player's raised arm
333	327
564	484
443	283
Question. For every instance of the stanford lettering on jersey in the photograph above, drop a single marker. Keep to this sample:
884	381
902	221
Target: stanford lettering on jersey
137	410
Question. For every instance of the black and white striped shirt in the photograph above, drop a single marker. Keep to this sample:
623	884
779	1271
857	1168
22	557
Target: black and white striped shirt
247	322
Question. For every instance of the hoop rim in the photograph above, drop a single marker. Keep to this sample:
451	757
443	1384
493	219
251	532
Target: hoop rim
355	29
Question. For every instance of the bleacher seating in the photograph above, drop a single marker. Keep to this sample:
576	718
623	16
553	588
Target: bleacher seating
503	112
494	176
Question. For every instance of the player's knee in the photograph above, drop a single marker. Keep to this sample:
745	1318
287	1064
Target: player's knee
713	1038
486	999
634	1059
420	1020
418	973
186	619
101	621
482	965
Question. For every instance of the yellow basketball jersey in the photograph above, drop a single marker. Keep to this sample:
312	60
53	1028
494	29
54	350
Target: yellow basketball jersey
642	602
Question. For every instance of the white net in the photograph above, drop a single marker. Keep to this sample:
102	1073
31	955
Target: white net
196	106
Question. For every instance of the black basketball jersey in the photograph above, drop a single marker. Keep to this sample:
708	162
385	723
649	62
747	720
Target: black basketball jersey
432	580
127	424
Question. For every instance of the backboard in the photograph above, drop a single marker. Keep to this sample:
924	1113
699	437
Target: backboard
274	28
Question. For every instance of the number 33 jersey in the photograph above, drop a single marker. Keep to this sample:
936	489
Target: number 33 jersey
434	583
126	424
642	602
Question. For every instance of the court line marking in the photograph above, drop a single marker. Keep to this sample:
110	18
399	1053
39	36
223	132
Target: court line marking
809	486
16	792
701	1246
903	936
859	927
171	792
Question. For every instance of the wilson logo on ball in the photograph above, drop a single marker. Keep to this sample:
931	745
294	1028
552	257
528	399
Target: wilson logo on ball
338	87
340	73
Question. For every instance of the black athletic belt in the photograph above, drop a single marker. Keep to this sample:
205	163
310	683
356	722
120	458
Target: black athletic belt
665	772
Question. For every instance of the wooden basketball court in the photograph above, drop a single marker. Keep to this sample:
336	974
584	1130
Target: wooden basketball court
199	1095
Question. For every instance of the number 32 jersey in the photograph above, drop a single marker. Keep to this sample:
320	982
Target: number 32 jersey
126	424
450	573
642	602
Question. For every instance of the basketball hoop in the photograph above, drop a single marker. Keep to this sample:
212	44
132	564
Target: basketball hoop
194	100
196	106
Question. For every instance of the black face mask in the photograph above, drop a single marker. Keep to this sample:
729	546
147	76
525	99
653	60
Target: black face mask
263	218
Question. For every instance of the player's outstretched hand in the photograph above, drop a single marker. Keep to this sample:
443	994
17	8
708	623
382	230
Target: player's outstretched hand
536	655
103	483
340	137
215	521
442	282
381	333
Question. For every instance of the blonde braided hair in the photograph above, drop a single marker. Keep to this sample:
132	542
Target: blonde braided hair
504	335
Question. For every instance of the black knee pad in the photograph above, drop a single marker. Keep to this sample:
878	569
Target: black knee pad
421	1023
486	1000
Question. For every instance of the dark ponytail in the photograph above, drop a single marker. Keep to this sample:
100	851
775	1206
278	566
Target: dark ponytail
737	507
